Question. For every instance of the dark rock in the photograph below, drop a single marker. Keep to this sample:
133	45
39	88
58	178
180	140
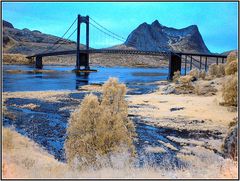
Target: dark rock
26	29
156	37
6	24
176	108
169	89
194	79
36	31
230	143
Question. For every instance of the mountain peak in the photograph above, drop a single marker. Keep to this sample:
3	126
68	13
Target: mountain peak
150	37
7	24
194	27
156	24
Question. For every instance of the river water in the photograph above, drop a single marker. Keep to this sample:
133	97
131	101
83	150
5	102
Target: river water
64	79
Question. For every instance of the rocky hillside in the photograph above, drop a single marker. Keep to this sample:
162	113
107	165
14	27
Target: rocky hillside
155	37
29	42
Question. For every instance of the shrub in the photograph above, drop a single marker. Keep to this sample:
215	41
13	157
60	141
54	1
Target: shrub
231	68
185	80
99	129
229	90
202	74
194	73
212	70
220	70
176	76
231	57
216	70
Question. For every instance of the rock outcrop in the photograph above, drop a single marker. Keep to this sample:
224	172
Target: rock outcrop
156	37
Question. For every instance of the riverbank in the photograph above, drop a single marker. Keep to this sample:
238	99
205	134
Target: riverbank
106	60
180	133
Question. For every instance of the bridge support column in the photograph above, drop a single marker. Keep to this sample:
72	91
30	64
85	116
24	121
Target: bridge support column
87	43
38	62
175	62
82	59
78	43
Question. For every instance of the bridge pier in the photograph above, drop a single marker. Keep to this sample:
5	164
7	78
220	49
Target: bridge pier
38	62
83	61
175	62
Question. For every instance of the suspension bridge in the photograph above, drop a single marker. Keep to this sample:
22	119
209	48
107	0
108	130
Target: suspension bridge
176	59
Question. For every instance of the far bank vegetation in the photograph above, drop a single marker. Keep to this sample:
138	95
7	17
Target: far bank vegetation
16	59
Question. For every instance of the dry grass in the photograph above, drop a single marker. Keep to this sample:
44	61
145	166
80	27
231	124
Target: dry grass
176	76
16	59
29	106
232	56
100	129
28	160
212	70
202	74
185	80
194	73
231	67
229	90
216	70
22	158
220	70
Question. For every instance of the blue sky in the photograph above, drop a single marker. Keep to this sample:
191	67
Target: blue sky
217	22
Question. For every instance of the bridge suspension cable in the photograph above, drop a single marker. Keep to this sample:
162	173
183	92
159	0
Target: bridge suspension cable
61	38
66	40
109	32
118	37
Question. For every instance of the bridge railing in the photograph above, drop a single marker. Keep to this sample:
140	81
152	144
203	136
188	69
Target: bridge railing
201	61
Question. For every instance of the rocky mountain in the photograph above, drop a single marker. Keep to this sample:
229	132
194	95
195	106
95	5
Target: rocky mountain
155	37
30	42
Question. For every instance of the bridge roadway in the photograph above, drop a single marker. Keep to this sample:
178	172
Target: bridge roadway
120	51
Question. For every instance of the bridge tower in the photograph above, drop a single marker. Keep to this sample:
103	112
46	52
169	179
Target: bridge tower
82	58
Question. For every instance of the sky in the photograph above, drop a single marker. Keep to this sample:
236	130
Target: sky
216	21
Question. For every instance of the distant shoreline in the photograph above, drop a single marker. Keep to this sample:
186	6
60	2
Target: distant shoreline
95	60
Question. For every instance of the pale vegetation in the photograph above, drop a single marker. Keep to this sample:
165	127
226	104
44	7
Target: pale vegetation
202	74
100	129
194	73
176	76
229	90
232	56
216	70
26	160
185	80
232	63
16	59
231	67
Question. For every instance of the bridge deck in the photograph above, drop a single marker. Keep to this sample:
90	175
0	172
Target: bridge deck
119	51
92	51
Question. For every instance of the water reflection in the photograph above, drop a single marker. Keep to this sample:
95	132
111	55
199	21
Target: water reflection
38	75
81	79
